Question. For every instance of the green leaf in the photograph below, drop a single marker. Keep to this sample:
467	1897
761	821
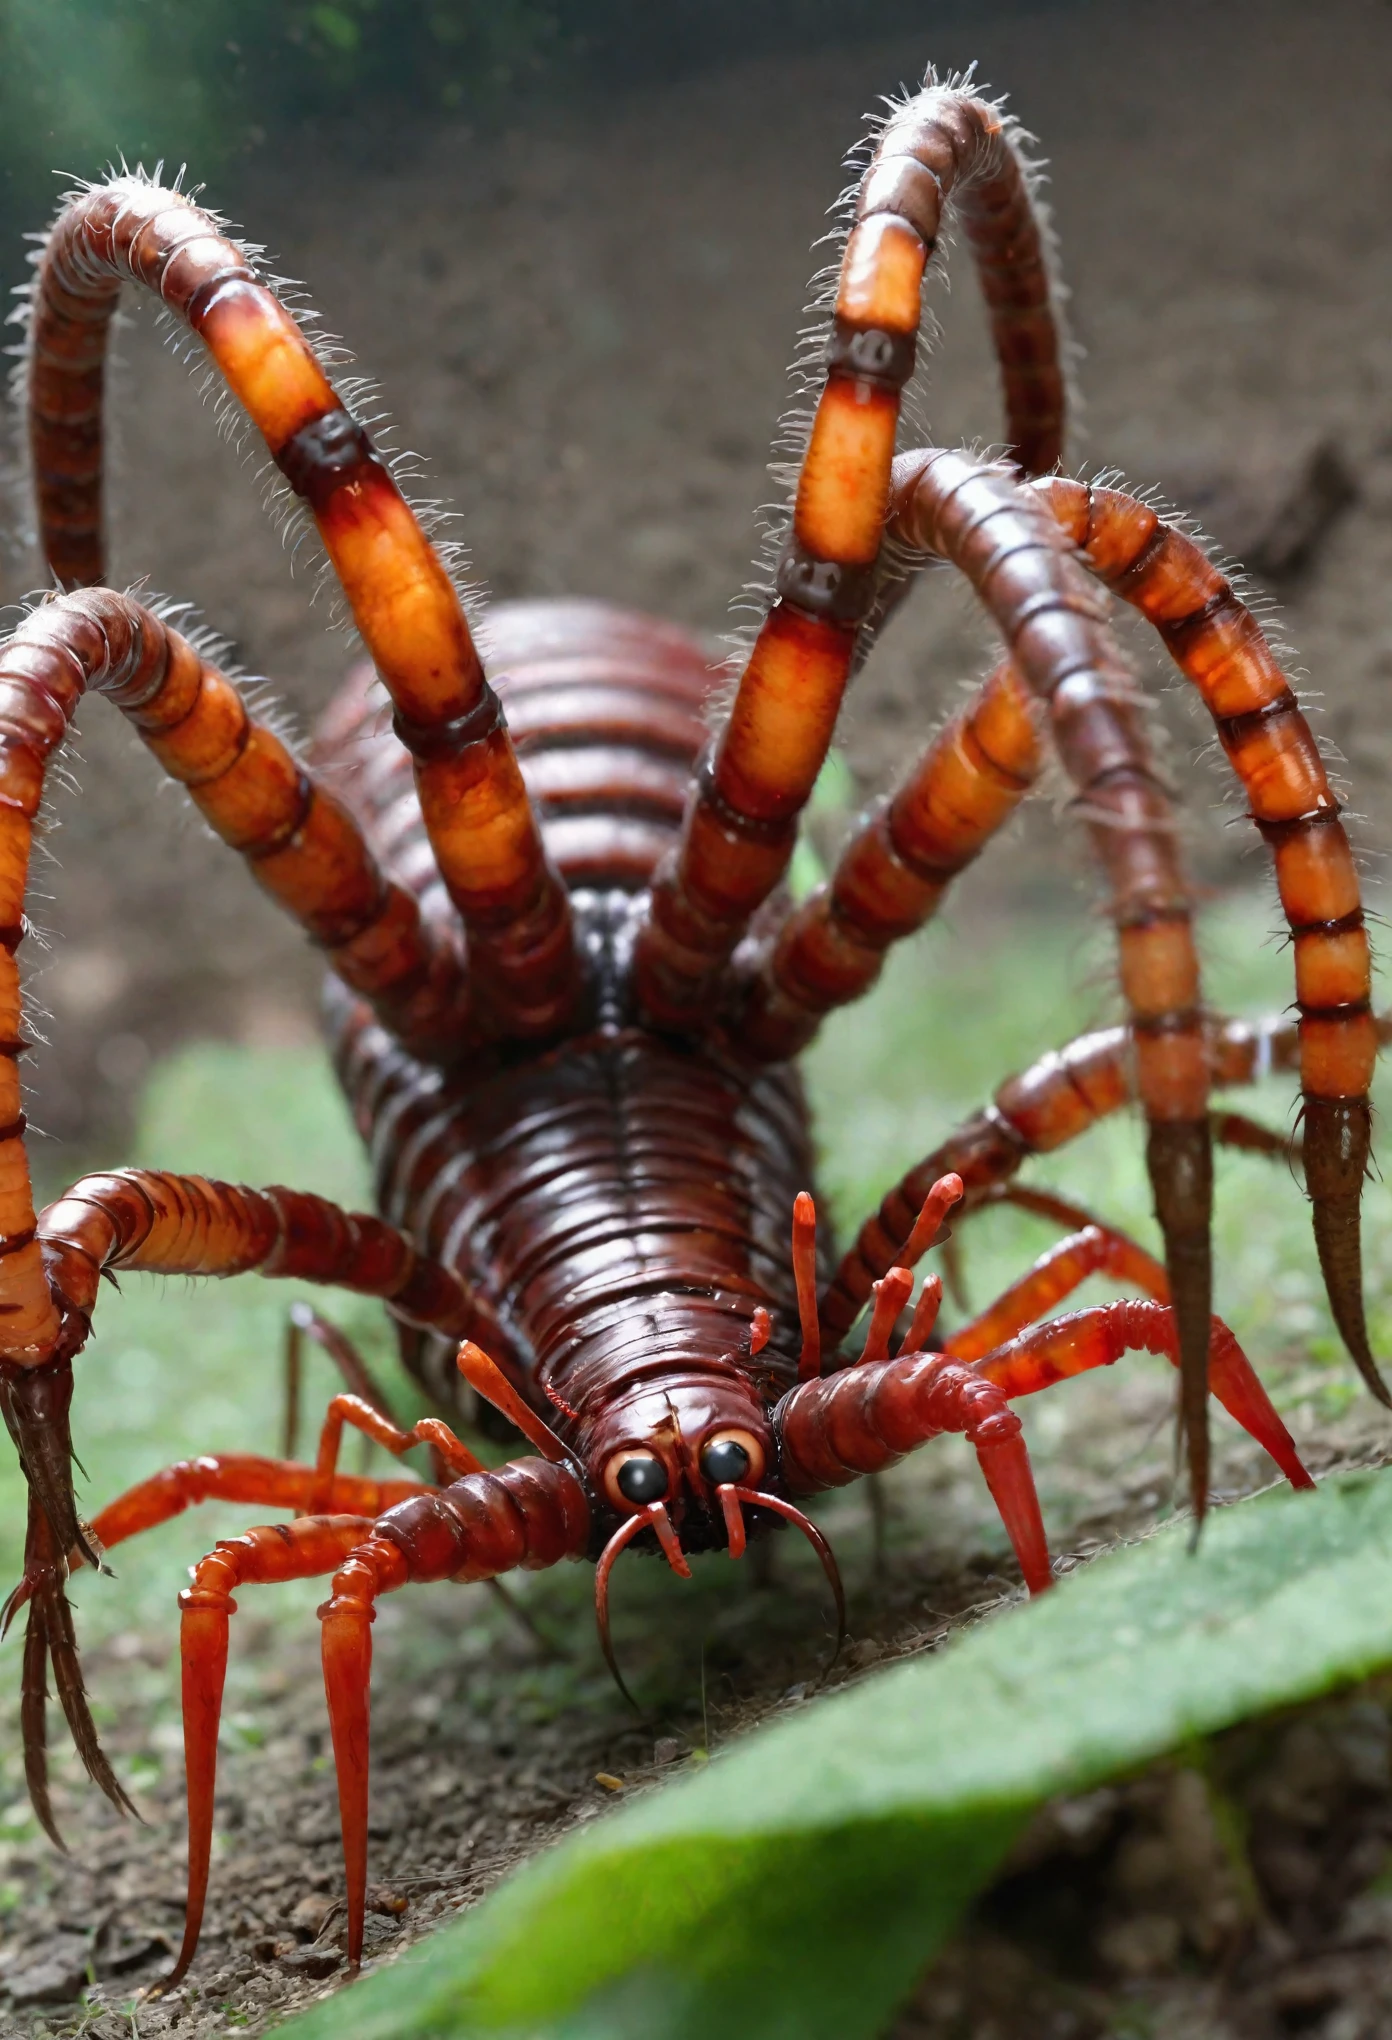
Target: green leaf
796	1885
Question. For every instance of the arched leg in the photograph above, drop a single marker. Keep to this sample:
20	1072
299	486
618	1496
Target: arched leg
528	1513
1057	1273
941	146
1098	1337
837	1429
161	1223
229	1477
894	873
483	831
1220	646
1041	1109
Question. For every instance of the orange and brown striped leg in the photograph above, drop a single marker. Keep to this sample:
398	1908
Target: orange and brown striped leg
165	1224
984	521
485	835
1043	1108
894	872
1218	644
300	843
742	824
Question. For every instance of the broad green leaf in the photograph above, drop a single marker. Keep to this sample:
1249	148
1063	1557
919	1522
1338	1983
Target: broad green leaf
795	1886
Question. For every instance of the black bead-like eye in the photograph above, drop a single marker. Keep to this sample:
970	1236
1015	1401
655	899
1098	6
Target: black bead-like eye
725	1461
641	1478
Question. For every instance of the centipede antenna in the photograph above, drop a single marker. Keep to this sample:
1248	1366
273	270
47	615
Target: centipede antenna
891	1293
925	1315
487	1379
928	1229
805	1276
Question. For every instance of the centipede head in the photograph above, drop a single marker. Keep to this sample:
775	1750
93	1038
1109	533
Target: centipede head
682	1463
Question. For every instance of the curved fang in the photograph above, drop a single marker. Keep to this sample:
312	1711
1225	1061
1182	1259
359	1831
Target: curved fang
734	1519
755	1498
654	1517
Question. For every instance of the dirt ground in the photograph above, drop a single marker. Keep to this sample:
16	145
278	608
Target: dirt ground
583	323
1240	1897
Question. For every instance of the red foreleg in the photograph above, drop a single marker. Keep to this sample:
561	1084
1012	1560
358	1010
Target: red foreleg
281	1551
1098	1337
1095	1250
527	1514
859	1421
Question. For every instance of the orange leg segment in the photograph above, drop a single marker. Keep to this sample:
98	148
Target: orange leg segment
1056	633
1098	1337
741	827
300	844
1056	1274
454	1457
895	871
1218	644
485	835
346	1637
1042	1108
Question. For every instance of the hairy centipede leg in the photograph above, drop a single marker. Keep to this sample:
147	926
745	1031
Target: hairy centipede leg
35	1402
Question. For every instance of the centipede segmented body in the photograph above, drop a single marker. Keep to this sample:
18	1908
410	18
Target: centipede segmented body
567	982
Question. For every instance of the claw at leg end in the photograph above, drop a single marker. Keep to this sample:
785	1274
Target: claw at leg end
1338	1145
1179	1161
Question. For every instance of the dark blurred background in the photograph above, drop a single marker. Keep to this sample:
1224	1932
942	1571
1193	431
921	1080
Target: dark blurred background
572	241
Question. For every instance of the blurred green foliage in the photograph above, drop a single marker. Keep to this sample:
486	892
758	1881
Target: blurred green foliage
85	82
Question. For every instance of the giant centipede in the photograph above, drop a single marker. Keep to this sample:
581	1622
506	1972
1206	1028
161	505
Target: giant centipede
567	982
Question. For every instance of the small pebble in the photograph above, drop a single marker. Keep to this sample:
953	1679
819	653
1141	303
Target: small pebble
667	1749
609	1781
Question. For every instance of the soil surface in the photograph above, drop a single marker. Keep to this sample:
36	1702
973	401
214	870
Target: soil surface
583	323
1133	1904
